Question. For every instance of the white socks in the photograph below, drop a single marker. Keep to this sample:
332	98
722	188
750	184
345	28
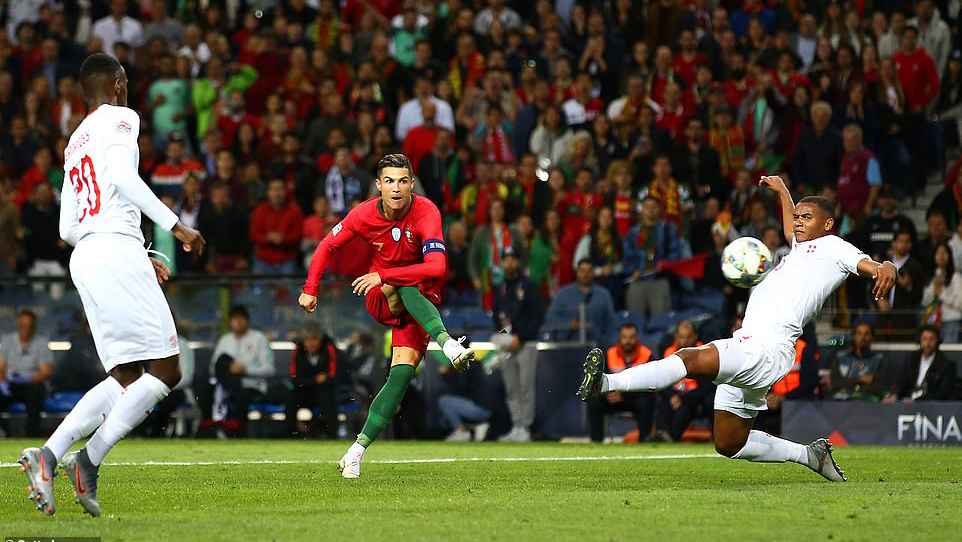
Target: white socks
131	408
764	448
356	448
651	376
86	416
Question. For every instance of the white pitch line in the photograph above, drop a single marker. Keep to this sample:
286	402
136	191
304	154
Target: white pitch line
400	461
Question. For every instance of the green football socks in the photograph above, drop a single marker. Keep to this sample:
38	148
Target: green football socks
424	313
385	403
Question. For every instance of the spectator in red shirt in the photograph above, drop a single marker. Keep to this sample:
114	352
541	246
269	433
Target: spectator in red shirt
920	81
579	205
662	75
275	229
620	198
316	226
688	59
38	174
672	115
785	77
420	140
917	71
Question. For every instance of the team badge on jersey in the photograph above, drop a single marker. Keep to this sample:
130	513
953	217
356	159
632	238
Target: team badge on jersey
396	234
407	233
124	127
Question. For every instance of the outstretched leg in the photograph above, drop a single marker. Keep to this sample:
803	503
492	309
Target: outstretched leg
735	438
700	363
403	363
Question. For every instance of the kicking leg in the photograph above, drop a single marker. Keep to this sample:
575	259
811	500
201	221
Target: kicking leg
701	363
427	316
735	438
131	408
403	363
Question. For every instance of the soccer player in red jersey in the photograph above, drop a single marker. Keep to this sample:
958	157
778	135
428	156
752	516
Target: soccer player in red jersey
402	290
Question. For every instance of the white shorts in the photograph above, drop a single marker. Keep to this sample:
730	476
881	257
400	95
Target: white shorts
126	309
747	367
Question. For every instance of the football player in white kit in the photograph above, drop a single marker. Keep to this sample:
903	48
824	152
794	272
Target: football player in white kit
762	352
102	200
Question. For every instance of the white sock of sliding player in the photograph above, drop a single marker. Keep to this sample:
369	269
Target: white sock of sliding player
132	407
764	448
651	376
85	417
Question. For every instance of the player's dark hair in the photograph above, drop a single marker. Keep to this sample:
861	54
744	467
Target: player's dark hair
585	261
627	325
239	310
394	160
94	68
823	204
860	323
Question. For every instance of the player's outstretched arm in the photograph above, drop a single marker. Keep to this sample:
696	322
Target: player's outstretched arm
776	183
339	236
884	274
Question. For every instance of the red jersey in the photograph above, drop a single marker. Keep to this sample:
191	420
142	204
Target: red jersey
919	77
686	67
405	252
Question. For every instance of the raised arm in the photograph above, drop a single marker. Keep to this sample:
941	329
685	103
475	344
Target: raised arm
774	182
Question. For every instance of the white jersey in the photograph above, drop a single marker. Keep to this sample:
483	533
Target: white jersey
92	201
792	293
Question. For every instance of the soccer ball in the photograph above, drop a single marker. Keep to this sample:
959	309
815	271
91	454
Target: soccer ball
746	261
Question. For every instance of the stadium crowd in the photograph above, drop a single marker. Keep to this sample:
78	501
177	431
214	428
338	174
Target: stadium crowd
586	154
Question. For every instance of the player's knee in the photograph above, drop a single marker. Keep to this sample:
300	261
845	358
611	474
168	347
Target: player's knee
689	356
726	446
394	302
127	373
167	371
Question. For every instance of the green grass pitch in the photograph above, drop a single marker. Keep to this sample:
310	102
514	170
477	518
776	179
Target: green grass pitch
291	490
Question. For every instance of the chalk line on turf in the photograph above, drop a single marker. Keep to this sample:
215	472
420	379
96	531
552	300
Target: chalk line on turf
400	461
